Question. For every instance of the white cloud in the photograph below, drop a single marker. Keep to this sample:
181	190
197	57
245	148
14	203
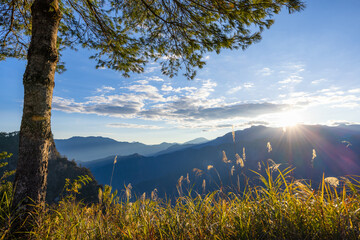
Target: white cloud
332	97
105	89
205	58
292	74
171	56
142	81
166	88
329	89
66	105
131	125
187	105
234	90
142	88
341	122
225	125
248	85
193	110
265	71
334	93
151	69
292	79
297	67
350	105
205	90
355	90
155	78
114	105
189	89
150	91
238	88
319	81
298	94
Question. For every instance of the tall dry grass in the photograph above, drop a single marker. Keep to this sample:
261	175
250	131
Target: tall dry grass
279	208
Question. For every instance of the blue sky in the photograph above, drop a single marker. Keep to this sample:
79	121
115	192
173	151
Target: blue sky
306	69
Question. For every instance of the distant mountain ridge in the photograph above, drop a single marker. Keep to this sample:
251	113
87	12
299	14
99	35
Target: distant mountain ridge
197	141
178	147
335	157
83	149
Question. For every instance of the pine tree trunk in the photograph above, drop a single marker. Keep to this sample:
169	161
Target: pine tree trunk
35	131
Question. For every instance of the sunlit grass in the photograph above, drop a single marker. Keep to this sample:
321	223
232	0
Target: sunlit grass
280	207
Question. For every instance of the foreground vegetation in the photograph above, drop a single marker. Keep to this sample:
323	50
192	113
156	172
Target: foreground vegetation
279	208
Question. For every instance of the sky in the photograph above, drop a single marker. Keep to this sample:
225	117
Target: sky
306	69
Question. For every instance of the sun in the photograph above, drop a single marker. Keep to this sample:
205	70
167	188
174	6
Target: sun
290	119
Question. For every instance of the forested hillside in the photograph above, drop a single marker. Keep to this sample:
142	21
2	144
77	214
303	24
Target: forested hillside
60	168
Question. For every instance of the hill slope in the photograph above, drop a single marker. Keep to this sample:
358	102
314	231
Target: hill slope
60	168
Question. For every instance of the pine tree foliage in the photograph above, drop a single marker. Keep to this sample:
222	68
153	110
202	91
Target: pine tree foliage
127	34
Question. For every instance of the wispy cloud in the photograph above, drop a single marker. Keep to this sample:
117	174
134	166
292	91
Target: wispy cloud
230	126
131	125
332	97
265	71
180	89
150	92
152	69
248	85
142	81
66	105
168	88
292	73
205	58
234	90
350	105
319	81
292	79
155	78
341	122
187	110
331	89
105	89
355	90
125	105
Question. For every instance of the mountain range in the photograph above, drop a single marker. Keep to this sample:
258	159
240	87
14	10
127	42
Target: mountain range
84	149
310	150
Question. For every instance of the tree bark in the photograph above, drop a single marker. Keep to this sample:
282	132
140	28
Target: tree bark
35	131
